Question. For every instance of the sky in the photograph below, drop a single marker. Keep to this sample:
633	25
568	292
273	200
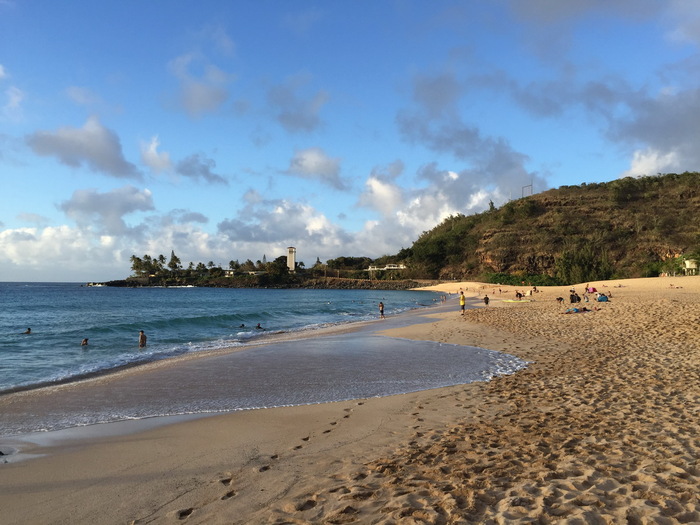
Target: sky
231	130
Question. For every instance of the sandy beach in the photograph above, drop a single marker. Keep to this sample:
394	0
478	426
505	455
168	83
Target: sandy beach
602	427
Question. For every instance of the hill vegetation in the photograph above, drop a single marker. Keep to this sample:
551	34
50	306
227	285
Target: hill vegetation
630	227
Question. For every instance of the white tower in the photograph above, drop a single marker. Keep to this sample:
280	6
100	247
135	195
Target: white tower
291	258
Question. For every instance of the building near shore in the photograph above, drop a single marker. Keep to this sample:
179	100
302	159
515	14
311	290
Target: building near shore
291	258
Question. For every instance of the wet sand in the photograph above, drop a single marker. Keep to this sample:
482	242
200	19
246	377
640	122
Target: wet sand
602	427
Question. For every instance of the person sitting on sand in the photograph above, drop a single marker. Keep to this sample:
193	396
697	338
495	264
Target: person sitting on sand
576	310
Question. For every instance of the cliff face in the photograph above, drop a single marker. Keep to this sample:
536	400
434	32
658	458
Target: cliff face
627	226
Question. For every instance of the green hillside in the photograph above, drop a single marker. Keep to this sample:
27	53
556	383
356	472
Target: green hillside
630	227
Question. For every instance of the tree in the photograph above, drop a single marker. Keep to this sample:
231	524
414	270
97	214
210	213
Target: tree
137	266
148	267
248	266
580	263
174	264
278	267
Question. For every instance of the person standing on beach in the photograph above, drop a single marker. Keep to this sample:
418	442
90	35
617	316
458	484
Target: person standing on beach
381	310
142	339
462	301
486	300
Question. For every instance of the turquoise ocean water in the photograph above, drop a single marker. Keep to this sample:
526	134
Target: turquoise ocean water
181	321
175	320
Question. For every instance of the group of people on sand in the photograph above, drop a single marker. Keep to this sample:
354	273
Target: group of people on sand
463	301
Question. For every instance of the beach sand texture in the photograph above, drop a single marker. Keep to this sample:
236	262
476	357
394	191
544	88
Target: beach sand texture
602	427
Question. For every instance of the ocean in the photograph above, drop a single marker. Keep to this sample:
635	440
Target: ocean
180	321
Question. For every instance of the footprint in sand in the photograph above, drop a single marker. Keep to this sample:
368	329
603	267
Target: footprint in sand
185	513
228	495
303	439
308	504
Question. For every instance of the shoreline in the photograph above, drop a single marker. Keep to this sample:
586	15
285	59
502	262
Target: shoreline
264	337
601	427
148	391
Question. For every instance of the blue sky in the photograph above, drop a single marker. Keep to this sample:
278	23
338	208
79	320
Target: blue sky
231	130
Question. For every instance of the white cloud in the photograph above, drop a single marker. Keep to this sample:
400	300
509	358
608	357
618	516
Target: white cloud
82	96
92	145
12	108
203	93
280	221
155	160
651	162
197	167
313	163
33	218
3	73
222	40
684	19
61	252
294	111
380	195
104	212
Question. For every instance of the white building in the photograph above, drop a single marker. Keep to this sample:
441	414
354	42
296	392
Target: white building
291	258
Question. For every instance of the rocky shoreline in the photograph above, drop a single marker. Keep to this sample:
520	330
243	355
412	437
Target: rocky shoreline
333	283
